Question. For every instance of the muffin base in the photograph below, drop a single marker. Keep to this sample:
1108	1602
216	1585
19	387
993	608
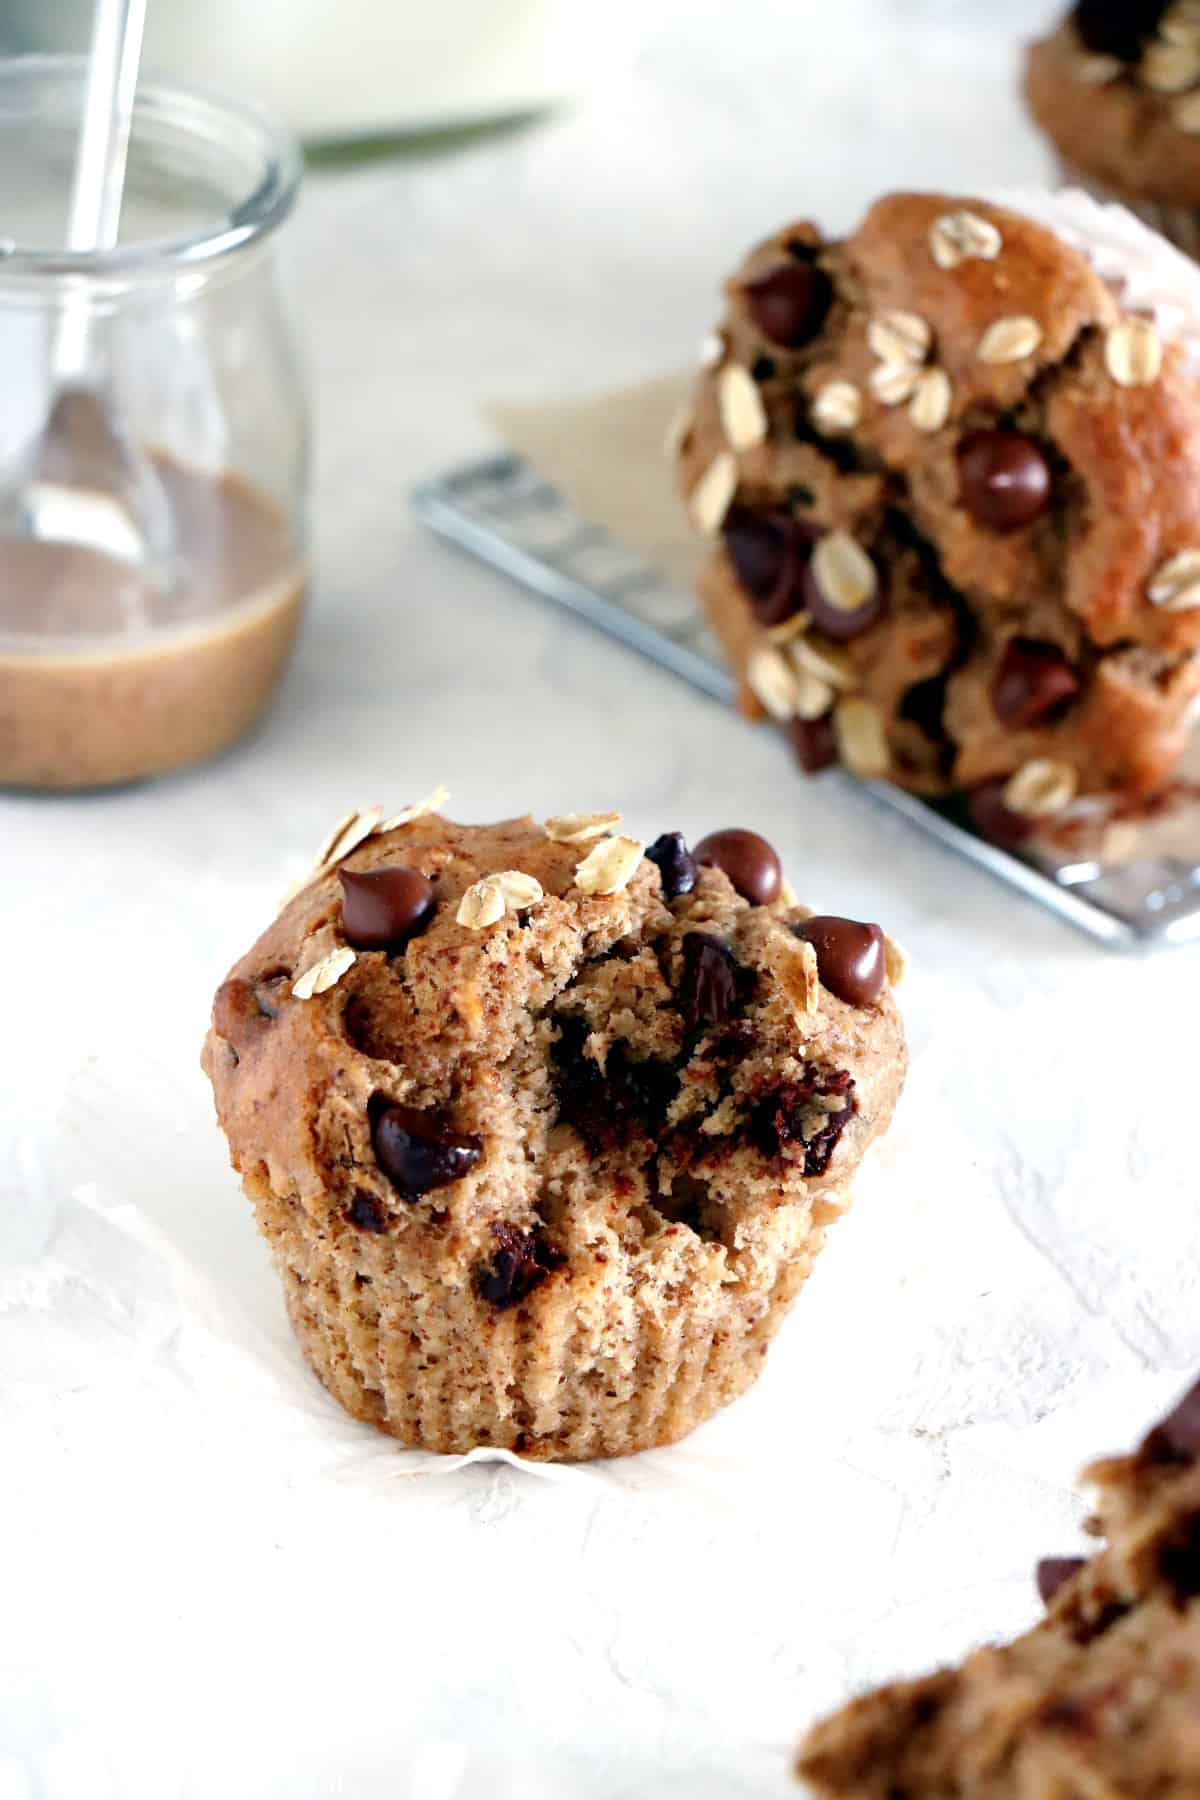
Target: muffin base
441	1378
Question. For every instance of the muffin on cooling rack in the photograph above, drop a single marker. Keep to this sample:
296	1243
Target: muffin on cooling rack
544	1127
950	470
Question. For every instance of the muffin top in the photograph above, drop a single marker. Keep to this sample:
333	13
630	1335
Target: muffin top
1117	90
502	1051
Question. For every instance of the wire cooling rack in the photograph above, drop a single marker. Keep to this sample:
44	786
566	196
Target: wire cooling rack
504	513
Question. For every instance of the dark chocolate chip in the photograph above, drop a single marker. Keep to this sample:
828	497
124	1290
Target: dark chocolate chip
763	368
994	820
676	867
839	622
778	1122
1177	1438
1004	479
418	1151
789	303
768	552
850	957
815	743
366	1212
383	908
1033	680
709	989
748	860
1118	27
1054	1572
522	1262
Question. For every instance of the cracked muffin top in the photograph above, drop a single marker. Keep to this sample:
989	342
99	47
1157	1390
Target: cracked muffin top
449	1023
953	490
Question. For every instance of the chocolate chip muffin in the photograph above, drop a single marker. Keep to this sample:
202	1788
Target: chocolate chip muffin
1116	88
1101	1699
952	484
543	1127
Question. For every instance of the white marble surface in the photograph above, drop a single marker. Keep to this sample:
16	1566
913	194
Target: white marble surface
212	1586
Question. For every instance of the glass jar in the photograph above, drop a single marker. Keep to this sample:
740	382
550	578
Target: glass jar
155	427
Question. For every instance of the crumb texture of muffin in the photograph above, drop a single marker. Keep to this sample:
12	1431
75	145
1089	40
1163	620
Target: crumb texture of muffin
1102	1698
544	1127
1116	89
953	493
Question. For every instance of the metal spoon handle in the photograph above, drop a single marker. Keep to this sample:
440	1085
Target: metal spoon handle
116	50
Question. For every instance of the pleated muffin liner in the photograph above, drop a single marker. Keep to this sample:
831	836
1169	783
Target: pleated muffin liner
440	1369
1180	225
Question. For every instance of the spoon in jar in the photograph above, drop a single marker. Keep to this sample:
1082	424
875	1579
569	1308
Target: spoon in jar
82	480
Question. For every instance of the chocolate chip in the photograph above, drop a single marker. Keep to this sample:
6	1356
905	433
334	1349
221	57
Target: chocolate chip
677	870
418	1151
763	368
1054	1572
994	820
850	956
839	622
1004	479
1032	681
522	1262
1177	1438
1118	27
709	989
814	742
383	908
768	552
748	860
366	1212
789	303
778	1122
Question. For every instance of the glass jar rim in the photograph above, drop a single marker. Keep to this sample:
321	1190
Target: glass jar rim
258	212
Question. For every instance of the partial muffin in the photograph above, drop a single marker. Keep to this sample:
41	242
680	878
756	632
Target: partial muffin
953	489
1116	88
1102	1698
544	1128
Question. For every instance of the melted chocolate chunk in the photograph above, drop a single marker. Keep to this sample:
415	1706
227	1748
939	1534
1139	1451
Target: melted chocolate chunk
1177	1438
814	742
676	867
522	1262
609	1107
366	1212
1054	1572
418	1151
789	303
708	992
776	1126
1004	479
768	552
850	956
748	860
1033	682
383	908
1118	28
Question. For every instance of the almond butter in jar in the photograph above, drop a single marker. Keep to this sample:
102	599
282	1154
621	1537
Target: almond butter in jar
153	444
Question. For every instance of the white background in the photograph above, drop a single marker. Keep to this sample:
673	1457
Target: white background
212	1584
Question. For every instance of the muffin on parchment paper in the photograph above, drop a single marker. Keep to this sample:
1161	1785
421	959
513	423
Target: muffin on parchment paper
1100	1700
543	1127
950	467
1116	89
